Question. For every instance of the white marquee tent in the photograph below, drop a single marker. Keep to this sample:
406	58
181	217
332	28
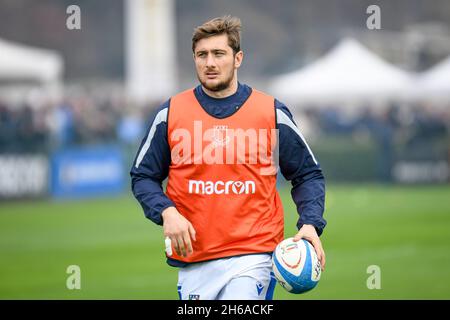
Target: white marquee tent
19	62
28	73
349	73
434	83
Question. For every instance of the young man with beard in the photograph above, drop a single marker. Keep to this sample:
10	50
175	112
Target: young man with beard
221	211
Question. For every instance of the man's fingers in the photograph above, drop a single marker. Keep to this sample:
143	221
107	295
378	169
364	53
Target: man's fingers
317	246
320	257
320	252
182	246
182	241
192	231
187	243
168	246
176	246
298	236
311	236
179	245
323	261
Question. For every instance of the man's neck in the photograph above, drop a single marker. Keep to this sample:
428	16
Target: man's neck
223	93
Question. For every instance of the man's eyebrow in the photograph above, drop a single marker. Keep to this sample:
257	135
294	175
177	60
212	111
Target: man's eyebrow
212	50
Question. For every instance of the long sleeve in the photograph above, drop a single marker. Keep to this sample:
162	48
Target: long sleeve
298	165
151	167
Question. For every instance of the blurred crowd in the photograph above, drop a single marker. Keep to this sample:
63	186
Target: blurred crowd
73	121
91	118
412	132
410	122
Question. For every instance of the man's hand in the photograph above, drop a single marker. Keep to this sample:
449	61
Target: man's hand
179	230
308	232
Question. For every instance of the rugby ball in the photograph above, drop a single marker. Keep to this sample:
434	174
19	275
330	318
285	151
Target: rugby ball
296	266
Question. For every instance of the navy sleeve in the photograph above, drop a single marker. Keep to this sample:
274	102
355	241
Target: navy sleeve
151	167
298	165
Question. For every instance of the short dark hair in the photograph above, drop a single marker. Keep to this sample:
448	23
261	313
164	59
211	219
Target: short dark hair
231	26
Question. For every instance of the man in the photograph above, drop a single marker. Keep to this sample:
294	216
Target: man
215	143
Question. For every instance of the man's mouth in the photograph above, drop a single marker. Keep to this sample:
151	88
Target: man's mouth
212	75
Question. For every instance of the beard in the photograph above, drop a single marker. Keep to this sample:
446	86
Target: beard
222	85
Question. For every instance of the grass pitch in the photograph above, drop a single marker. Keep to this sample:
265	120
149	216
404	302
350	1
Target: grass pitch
403	230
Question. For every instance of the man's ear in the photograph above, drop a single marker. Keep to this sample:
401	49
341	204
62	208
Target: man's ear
238	57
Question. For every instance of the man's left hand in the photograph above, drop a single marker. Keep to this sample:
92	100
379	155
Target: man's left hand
308	232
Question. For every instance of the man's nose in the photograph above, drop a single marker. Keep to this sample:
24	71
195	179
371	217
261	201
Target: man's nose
210	61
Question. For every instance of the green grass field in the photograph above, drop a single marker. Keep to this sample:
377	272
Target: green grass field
403	230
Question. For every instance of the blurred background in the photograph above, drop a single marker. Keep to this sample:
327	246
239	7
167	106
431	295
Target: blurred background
369	88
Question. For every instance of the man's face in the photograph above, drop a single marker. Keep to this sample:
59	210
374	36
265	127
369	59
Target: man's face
215	62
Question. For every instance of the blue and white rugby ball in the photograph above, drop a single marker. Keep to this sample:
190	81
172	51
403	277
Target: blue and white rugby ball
296	266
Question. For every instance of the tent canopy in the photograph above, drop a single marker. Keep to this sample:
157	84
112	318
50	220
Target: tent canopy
20	62
349	72
436	81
